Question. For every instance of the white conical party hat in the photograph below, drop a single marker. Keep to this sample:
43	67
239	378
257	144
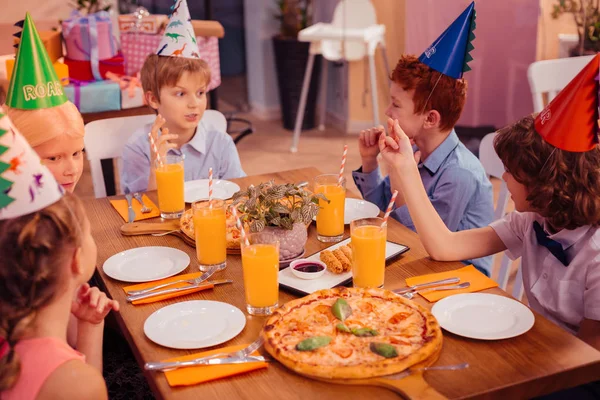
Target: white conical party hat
179	39
26	185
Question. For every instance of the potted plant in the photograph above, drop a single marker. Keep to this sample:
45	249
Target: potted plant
284	210
586	15
291	58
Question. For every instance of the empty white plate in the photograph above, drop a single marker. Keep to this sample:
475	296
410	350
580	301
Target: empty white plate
194	324
357	209
198	190
483	316
145	264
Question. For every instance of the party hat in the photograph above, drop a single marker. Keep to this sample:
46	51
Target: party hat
449	54
570	120
34	83
26	185
179	39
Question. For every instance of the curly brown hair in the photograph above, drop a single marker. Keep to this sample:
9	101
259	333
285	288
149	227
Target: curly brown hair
159	71
34	249
448	98
562	186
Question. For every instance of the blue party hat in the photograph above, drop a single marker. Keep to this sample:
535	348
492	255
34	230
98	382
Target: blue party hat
449	54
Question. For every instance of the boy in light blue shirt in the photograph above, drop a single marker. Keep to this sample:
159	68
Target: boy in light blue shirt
175	81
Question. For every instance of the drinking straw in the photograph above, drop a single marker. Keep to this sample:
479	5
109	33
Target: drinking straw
153	144
344	154
210	184
239	225
389	208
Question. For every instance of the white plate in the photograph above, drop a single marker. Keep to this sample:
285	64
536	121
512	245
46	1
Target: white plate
289	281
357	209
198	190
483	316
145	264
194	324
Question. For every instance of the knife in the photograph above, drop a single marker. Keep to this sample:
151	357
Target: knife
175	290
195	281
163	366
131	216
427	284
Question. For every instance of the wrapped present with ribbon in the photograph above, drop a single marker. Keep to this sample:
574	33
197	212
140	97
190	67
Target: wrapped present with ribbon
83	71
142	21
132	94
89	38
51	40
136	47
62	70
94	96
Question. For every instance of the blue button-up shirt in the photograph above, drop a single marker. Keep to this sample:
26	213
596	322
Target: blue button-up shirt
207	148
456	184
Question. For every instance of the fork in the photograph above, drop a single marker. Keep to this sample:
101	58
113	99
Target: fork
243	353
138	197
196	281
410	295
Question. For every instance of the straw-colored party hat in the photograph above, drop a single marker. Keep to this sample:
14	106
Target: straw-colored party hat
449	54
179	39
34	83
26	185
570	121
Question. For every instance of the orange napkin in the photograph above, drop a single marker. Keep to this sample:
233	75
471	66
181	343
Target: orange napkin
146	285
467	274
121	207
204	373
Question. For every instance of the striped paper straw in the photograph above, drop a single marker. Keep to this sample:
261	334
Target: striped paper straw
210	184
390	207
344	154
239	225
153	144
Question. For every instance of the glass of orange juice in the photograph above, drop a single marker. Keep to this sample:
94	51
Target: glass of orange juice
260	263
368	237
169	182
330	219
210	232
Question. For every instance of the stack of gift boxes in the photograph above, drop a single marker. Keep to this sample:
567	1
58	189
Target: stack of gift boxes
98	74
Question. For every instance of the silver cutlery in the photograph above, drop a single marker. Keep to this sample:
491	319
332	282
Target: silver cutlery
410	295
195	281
131	213
427	284
211	361
133	298
242	354
406	373
302	184
138	197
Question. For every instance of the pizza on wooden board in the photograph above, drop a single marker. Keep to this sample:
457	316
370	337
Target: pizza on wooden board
232	232
351	333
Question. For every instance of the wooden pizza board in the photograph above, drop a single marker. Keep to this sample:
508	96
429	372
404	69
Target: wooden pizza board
412	386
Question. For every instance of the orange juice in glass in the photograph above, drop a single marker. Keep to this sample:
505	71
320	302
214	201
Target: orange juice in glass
210	231
260	263
169	183
368	238
330	219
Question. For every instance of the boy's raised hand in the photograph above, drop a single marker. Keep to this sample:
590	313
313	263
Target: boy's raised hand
162	143
396	149
368	142
91	305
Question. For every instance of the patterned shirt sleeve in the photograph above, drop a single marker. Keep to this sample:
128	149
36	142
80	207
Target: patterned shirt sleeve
373	187
511	230
135	171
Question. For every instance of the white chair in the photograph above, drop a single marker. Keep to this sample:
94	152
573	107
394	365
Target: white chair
352	34
493	167
550	76
105	139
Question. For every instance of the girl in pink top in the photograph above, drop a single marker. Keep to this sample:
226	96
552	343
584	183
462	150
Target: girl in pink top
47	256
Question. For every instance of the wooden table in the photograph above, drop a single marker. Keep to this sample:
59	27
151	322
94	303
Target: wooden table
541	361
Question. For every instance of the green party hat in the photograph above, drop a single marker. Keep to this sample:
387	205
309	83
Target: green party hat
34	83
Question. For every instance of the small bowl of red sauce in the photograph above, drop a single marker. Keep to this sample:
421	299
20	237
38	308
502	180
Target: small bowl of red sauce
308	269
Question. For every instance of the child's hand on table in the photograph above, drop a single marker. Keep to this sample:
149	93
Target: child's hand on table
91	305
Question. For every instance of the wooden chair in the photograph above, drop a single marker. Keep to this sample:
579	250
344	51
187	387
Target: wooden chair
550	76
105	139
493	167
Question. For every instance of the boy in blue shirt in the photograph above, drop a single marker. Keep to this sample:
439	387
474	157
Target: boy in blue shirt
175	81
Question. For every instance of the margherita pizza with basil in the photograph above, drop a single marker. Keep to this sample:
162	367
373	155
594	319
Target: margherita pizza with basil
348	333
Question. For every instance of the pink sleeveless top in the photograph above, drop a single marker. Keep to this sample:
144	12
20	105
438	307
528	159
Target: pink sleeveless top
39	357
